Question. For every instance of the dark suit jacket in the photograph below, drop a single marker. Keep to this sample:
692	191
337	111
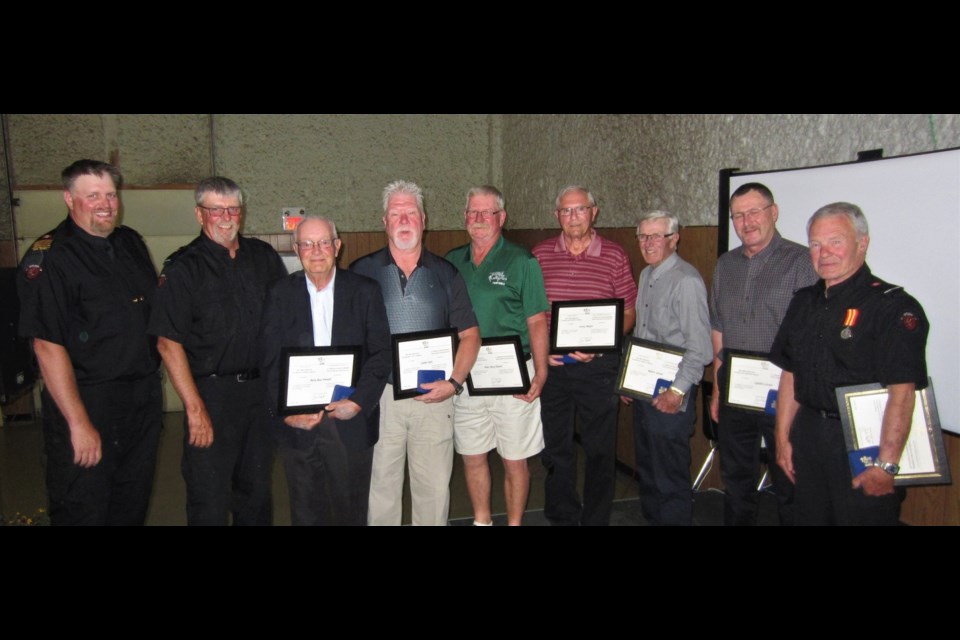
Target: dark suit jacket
359	319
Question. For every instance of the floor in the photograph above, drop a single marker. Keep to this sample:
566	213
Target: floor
22	485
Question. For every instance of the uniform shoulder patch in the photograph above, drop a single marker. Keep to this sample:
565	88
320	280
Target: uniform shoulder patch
909	321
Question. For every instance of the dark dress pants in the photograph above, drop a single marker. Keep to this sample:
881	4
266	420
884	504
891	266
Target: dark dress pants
585	390
662	450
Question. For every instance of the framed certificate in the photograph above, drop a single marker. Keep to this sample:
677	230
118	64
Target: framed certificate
421	356
924	459
501	368
751	381
646	366
591	326
308	376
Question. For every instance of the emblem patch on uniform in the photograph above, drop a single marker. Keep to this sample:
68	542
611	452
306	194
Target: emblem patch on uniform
42	244
162	280
909	321
498	278
33	271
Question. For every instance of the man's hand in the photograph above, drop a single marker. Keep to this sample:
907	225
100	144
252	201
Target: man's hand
668	402
579	356
305	421
785	459
715	404
87	448
343	409
874	482
436	391
536	386
200	428
626	399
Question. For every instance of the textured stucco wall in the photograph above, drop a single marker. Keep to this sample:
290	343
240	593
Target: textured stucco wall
331	164
337	165
638	162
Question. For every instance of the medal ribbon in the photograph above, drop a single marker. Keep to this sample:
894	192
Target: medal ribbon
852	316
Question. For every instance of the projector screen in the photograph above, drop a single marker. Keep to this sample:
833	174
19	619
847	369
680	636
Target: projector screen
912	204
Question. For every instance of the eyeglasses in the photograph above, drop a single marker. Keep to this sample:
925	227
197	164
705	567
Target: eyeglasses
482	215
216	212
654	237
309	245
739	216
566	212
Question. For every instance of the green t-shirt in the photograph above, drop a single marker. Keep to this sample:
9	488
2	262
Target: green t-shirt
506	289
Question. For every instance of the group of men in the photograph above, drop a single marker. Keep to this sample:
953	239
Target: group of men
223	309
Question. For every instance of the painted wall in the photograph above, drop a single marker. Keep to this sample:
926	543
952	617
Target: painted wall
638	162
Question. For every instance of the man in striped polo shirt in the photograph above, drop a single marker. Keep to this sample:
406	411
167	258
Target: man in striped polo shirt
582	265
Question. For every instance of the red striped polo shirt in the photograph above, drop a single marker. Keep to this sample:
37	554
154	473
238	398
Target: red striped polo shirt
602	271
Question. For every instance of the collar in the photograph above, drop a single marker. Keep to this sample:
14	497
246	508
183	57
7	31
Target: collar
768	250
593	249
96	241
312	288
217	248
468	254
666	265
862	277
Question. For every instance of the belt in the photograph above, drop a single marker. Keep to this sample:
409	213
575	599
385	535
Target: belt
826	415
243	376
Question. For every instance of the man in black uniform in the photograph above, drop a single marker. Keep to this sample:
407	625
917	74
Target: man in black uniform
848	329
85	292
207	317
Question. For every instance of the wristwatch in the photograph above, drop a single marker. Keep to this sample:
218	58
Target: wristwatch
889	467
457	387
677	392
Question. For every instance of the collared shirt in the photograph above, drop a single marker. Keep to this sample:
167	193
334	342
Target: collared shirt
212	304
601	271
672	309
860	331
92	296
321	310
433	297
506	288
749	296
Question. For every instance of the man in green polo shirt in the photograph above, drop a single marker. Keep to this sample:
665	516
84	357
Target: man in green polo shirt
509	299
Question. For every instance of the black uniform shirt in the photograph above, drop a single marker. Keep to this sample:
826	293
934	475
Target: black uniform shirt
211	303
92	296
860	331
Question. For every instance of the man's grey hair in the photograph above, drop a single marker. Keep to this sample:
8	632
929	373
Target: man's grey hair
575	187
853	213
403	186
485	190
220	186
318	218
672	227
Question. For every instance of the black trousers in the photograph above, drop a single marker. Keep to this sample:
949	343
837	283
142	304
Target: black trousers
116	491
585	390
329	483
824	494
739	435
661	444
232	476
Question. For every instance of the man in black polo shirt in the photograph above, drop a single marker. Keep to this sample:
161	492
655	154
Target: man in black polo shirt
850	328
85	292
422	292
207	318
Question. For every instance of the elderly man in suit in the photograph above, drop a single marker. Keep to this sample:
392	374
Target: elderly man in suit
328	455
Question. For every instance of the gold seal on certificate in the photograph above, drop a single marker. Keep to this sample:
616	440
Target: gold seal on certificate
500	369
421	356
924	459
309	375
751	381
647	365
591	326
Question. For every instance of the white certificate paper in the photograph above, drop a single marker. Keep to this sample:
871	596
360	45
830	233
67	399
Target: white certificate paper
497	367
423	354
750	381
644	366
867	416
311	378
589	326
